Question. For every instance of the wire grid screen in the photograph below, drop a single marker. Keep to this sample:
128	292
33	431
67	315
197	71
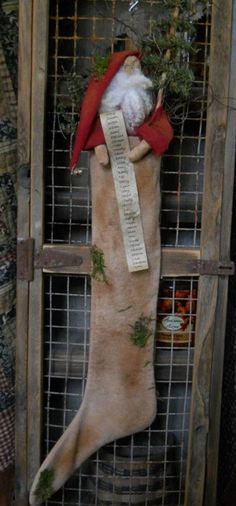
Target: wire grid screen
148	468
77	32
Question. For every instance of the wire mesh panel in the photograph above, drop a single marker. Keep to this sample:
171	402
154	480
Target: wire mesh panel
147	468
182	168
78	32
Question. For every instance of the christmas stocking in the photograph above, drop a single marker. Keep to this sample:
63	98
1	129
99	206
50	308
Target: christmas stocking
120	396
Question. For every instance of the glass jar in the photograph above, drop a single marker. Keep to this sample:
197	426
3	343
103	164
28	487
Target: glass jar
176	313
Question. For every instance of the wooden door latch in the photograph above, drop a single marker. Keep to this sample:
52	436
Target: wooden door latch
29	259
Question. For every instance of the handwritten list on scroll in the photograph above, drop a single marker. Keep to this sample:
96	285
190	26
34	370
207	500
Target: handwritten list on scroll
126	190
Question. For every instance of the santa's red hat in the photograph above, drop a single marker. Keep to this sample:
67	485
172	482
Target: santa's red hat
89	131
91	104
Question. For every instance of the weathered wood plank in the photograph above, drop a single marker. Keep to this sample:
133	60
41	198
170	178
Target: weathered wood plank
39	79
64	259
175	262
24	117
212	449
208	305
199	425
221	311
179	262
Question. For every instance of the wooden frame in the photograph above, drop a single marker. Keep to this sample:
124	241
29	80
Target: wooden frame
39	80
215	240
24	137
32	83
215	245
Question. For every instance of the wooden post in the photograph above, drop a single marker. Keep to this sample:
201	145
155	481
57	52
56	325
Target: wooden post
221	310
39	81
205	413
24	138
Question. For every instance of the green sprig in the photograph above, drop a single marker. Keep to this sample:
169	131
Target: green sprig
44	488
100	66
174	43
98	264
141	331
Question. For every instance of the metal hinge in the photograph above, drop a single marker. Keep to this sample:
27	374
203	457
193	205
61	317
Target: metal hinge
215	268
52	259
29	259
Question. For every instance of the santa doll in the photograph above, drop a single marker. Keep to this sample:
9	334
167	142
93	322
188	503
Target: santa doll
120	396
123	86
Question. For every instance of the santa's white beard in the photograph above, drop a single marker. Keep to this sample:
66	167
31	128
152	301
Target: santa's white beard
133	94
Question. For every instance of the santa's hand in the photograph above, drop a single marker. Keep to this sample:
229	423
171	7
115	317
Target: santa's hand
102	155
139	151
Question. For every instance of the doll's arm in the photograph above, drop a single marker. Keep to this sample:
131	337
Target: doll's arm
156	134
102	155
139	151
144	147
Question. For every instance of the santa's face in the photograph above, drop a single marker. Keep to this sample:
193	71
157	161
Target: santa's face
131	92
131	64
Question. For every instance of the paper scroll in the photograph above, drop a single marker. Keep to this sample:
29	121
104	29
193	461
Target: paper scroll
126	190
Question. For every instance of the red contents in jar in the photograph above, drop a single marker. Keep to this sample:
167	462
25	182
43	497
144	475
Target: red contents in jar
176	316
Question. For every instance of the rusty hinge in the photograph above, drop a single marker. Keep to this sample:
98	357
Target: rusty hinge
53	259
215	268
25	259
29	259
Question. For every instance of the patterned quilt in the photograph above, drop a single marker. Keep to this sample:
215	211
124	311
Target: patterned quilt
8	72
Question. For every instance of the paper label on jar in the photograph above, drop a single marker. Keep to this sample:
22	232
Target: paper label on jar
126	190
172	323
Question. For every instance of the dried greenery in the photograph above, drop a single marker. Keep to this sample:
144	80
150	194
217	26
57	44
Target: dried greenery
70	100
141	331
167	50
74	86
44	489
98	264
166	60
100	66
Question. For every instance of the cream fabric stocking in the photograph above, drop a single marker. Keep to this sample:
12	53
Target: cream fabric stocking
120	397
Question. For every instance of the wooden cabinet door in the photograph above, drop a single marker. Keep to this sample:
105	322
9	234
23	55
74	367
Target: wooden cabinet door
54	230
